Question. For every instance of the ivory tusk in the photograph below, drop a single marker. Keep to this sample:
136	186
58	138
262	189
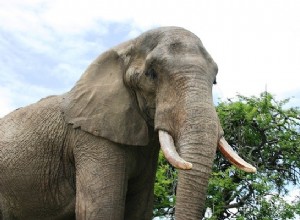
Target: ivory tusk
234	158
168	148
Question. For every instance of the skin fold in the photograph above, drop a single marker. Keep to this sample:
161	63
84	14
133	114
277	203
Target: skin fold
91	153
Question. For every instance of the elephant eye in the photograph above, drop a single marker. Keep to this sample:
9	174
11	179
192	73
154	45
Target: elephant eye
151	73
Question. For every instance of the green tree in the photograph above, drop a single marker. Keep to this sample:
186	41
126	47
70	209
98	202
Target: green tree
265	133
164	188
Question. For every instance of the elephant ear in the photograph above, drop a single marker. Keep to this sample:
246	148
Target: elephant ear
102	105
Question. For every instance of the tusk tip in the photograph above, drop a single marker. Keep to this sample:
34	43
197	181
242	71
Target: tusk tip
234	158
188	166
250	169
168	148
183	166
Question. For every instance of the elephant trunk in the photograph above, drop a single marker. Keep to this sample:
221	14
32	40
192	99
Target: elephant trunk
189	133
193	151
196	146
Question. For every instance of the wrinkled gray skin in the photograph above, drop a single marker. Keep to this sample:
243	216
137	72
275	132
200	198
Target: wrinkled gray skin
92	152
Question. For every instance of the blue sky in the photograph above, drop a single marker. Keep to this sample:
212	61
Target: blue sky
46	44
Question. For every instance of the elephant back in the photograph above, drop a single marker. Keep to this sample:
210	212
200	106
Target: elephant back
41	121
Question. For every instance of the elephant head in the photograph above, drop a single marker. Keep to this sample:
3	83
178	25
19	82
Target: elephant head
160	81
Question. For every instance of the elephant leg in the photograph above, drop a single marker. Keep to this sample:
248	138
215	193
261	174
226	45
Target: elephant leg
140	194
101	181
139	202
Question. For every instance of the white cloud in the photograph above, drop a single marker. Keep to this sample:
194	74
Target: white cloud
15	93
5	102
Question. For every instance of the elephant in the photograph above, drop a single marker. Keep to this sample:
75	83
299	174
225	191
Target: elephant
92	152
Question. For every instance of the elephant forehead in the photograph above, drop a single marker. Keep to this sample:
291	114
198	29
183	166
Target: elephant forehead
175	33
167	37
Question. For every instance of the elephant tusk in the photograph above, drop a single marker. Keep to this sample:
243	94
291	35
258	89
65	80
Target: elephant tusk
234	158
168	148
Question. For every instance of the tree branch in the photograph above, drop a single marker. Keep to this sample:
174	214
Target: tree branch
242	200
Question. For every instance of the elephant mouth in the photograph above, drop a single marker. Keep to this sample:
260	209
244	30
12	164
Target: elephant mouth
170	153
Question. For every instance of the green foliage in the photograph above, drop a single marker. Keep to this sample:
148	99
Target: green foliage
164	188
265	133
